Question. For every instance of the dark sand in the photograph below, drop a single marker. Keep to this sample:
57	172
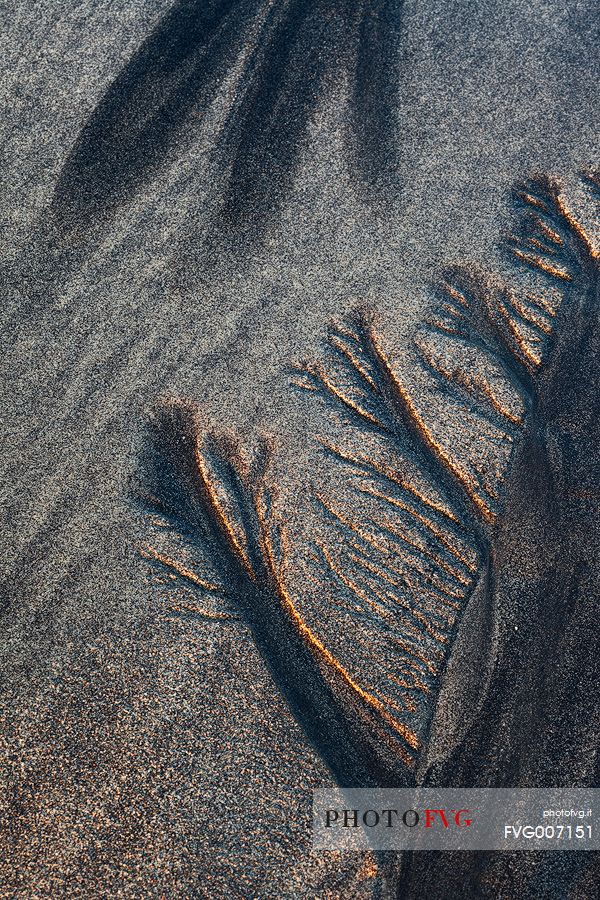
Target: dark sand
189	230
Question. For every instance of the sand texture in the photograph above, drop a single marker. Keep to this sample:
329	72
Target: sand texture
300	414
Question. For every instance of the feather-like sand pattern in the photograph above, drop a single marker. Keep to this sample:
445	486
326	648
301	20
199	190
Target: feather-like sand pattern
195	480
410	567
520	710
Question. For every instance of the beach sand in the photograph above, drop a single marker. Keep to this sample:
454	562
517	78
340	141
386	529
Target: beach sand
149	754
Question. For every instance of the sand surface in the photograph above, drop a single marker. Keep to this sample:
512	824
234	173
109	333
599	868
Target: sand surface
287	178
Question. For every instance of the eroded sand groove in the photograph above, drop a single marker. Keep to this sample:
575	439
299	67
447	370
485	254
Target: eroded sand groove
262	63
409	569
